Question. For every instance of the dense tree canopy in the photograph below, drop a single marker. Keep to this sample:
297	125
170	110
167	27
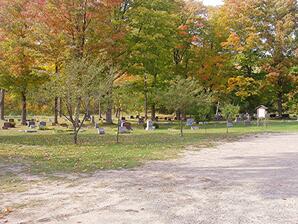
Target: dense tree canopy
243	53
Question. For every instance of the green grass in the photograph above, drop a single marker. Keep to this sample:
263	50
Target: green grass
51	151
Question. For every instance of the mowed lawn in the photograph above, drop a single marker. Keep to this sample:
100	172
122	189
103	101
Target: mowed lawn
52	151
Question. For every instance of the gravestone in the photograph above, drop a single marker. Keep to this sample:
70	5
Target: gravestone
149	125
31	123
190	122
42	124
238	120
127	125
92	120
7	125
32	126
230	124
123	130
101	131
64	125
273	115
141	120
122	122
96	126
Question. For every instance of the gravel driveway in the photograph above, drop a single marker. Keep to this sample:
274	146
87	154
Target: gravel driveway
254	180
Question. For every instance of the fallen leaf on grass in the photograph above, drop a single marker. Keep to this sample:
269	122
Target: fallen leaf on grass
4	212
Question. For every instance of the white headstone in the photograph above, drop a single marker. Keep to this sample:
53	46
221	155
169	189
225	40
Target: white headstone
123	130
101	131
92	120
190	122
122	122
149	125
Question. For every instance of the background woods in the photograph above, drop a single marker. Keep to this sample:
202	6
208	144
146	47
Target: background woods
80	54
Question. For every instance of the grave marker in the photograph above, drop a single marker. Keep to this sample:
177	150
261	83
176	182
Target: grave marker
149	126
190	122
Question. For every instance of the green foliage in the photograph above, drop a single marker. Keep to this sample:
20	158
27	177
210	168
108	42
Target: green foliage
230	111
184	94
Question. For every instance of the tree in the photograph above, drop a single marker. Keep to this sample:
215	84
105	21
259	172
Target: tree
183	94
71	30
19	56
229	112
153	26
79	82
264	38
278	29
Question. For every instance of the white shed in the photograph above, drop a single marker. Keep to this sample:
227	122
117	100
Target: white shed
261	112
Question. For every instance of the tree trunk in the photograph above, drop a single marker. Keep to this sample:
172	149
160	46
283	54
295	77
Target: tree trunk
227	126
279	104
153	106
77	124
56	110
60	107
75	136
88	111
183	116
99	108
145	97
181	128
2	103
217	111
118	128
109	114
153	111
24	109
178	115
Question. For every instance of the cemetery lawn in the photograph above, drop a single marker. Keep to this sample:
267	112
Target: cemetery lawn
52	151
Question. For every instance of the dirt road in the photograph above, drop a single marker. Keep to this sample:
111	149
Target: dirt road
254	180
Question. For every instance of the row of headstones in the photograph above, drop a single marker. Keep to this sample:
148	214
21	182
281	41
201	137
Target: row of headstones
30	123
125	127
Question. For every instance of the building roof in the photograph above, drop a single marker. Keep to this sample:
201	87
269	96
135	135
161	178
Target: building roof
262	107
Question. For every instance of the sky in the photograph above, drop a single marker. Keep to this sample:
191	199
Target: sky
213	2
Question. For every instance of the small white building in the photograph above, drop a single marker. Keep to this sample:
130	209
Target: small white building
262	112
